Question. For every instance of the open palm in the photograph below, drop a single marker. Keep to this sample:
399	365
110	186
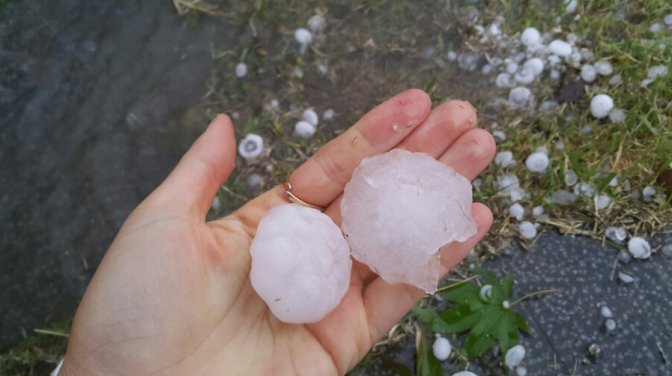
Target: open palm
172	295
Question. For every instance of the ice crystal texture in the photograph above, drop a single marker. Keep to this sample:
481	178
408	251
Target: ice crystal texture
300	263
399	209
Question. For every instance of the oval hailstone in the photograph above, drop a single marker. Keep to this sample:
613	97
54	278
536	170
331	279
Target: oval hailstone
527	230
603	67
639	248
560	48
300	263
535	64
530	36
600	106
251	147
517	211
588	73
241	70
606	312
311	116
399	208
537	162
303	37
514	356
441	348
304	129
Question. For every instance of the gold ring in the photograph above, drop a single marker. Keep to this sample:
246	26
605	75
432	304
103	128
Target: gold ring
292	197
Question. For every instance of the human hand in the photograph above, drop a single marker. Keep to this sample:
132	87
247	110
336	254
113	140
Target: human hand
172	296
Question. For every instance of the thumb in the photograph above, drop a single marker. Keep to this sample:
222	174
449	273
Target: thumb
191	186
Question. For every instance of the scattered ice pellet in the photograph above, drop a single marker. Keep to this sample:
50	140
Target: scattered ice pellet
303	37
559	145
668	19
304	129
554	75
602	201
574	59
300	263
485	293
624	257
506	304
251	147
464	373
451	56
241	70
548	105
584	189
503	80
537	162
625	278
310	116
527	230
216	204
328	115
441	348
524	76
563	197
520	97
560	48
617	115
512	67
486	69
477	183
254	181
615	79
606	312
535	64
657	71
499	136
572	38
537	211
588	73
610	325
603	67
425	191
667	250
586	129
600	106
617	234
530	37
648	192
517	211
639	248
521	371
613	182
322	69
505	159
269	168
316	23
514	356
554	60
570	6
656	28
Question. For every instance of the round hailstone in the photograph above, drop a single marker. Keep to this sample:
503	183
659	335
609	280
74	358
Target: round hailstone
530	37
514	356
216	204
537	162
399	208
617	234
300	263
560	48
648	192
668	19
527	230
606	312
624	257
304	129
563	197
610	325
441	348
241	70
639	248
600	106
310	116
512	67
617	115
571	178
464	373
584	189
625	278
505	159
535	64
521	371
524	76
657	71
588	73
451	55
316	23
570	6
655	28
615	79
499	136
303	37
537	211
503	80
613	182
251	147
667	250
517	211
554	75
520	97
602	201
485	293
603	68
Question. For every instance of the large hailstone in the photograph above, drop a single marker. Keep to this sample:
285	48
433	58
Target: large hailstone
300	263
399	208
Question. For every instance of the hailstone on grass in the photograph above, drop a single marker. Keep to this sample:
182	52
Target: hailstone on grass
537	162
441	348
600	106
300	263
399	209
530	37
560	48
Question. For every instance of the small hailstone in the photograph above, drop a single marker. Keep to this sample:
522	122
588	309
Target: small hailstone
521	371
505	159
269	168
304	129
570	6
617	234
600	106
527	230
328	115
548	105
451	56
300	263
554	60
254	181
216	204
537	162
554	75
584	189
316	23
524	76
441	348
520	97
574	58
624	257
303	37
571	178
560	145
602	201
625	278
274	104
506	304
586	129
615	79
639	248
572	38
310	116
503	80
499	136
464	373
655	28
485	293
667	250
617	115
668	19
535	64
424	191
563	197
606	312
477	183
322	69
486	69
560	48
610	325
537	211
657	71
648	192
517	211
588	73
251	147
514	356
241	70
512	67
603	67
530	37
613	182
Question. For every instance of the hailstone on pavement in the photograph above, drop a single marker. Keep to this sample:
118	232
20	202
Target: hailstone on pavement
399	209
300	263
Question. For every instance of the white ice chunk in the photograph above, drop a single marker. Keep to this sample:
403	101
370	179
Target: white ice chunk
328	115
316	23
601	201
639	248
600	106
657	71
537	162
514	356
304	129
537	211
520	97
527	229
560	48
571	177
241	70
303	37
399	208
441	348
310	116
617	115
617	234
251	147
517	211
570	6
300	263
535	64
505	159
464	373
588	73
524	76
530	37
606	312
603	67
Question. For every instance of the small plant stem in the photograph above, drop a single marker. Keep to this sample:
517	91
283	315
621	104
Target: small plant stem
51	332
532	294
446	287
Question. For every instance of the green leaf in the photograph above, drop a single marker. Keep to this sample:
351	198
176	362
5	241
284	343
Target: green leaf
489	319
520	322
476	345
426	363
459	319
488	277
507	286
462	293
506	333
